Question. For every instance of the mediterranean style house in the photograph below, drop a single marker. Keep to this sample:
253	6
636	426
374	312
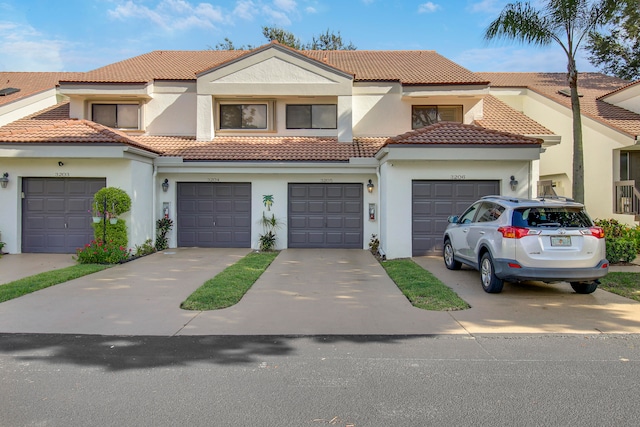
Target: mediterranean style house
337	146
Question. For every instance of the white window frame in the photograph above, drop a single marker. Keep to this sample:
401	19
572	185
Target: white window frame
271	113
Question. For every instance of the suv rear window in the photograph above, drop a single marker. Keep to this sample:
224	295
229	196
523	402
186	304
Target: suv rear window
561	216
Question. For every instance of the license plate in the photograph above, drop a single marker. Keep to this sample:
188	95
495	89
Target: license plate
560	240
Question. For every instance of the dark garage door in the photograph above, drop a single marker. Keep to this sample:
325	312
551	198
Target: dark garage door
434	201
214	215
325	216
55	213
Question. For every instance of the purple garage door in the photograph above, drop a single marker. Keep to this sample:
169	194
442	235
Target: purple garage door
325	216
55	213
434	201
214	215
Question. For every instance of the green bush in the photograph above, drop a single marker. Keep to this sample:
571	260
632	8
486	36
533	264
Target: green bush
621	249
163	225
116	201
145	249
97	252
116	233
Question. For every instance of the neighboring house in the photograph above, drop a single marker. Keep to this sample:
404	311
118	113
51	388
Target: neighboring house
343	145
611	125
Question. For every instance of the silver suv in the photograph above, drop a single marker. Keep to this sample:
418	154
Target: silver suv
515	239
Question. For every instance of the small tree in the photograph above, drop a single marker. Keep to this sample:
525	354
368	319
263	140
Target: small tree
111	202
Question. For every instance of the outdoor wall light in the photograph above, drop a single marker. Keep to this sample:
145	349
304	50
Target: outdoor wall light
513	183
4	180
165	185
60	164
370	187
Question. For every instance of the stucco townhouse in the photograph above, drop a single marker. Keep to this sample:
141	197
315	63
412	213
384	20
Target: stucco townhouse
336	145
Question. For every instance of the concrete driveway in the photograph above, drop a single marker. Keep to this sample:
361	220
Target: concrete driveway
304	292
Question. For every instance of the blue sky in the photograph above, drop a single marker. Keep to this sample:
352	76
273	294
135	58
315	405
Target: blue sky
80	35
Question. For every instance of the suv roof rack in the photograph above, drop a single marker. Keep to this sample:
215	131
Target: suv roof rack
507	198
555	197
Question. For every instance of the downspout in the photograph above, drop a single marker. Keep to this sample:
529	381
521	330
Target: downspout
383	256
153	205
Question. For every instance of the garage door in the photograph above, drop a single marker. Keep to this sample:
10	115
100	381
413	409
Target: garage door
325	216
55	213
434	201
214	215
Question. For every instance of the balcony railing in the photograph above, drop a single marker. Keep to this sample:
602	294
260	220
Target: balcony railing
627	199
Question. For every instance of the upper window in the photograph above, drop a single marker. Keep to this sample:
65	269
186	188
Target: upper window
425	115
312	116
121	116
244	116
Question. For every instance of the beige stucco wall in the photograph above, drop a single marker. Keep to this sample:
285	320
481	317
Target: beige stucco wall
132	175
172	111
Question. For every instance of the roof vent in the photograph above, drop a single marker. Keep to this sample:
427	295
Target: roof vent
567	93
8	91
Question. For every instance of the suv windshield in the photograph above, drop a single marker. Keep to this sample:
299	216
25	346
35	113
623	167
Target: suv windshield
561	216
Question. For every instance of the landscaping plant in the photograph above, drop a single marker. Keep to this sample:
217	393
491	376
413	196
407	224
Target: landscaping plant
164	225
98	252
623	242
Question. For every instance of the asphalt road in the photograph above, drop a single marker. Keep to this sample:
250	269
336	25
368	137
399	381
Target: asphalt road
498	380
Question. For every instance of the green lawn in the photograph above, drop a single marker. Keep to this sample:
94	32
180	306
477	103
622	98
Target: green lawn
421	287
228	287
26	285
624	284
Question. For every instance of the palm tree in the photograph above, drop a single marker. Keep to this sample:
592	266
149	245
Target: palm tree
566	22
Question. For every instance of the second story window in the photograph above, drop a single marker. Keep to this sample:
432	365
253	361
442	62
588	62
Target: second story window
243	116
425	115
120	116
312	116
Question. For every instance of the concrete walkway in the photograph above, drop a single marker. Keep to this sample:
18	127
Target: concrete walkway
304	292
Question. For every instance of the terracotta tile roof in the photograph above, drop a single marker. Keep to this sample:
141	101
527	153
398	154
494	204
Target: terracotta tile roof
590	85
257	149
450	133
30	83
407	67
50	126
620	89
499	116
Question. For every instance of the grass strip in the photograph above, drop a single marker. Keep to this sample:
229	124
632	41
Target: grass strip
421	287
26	285
230	285
623	284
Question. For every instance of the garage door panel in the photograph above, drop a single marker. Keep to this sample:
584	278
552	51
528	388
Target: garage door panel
214	214
55	217
321	215
433	202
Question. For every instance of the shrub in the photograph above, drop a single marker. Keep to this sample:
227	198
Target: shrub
374	244
621	249
145	249
623	242
117	201
116	233
268	238
164	225
98	252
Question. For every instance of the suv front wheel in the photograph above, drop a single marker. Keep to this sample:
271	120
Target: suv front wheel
490	282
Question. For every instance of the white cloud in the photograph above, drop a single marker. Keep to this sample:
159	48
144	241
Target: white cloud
519	59
25	49
428	7
245	9
278	17
171	14
286	5
311	10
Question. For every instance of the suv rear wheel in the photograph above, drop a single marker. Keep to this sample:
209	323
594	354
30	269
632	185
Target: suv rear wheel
449	260
584	287
490	282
